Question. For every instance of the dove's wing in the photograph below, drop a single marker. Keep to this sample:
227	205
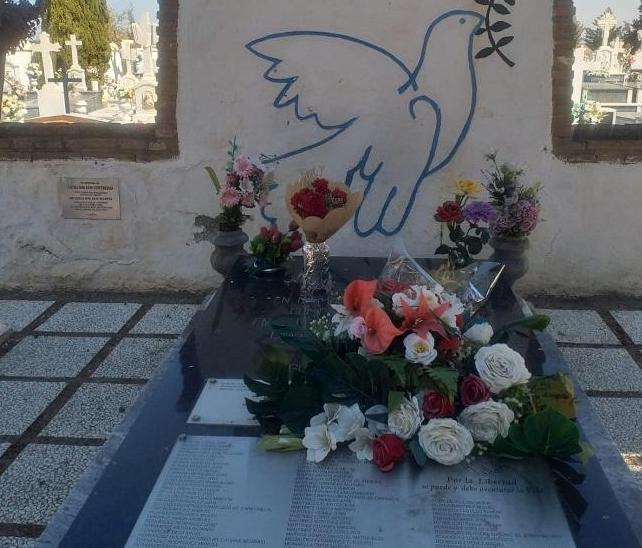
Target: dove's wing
326	97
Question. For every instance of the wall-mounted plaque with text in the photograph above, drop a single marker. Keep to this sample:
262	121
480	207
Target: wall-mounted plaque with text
97	199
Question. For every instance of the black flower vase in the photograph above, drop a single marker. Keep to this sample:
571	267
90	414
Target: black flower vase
228	244
512	253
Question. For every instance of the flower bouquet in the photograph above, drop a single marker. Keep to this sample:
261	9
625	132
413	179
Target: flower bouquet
271	248
320	208
401	376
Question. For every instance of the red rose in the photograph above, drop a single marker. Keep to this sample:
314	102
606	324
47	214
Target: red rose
387	450
316	206
321	185
436	405
265	232
295	245
339	197
449	212
473	390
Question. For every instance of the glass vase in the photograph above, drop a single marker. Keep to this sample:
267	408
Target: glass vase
316	283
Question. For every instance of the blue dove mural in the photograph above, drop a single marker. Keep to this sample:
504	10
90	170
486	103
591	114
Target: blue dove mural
416	96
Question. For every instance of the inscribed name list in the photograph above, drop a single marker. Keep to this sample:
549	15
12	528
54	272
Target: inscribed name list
225	492
97	199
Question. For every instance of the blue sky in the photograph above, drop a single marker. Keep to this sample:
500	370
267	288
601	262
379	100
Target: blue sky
140	6
587	10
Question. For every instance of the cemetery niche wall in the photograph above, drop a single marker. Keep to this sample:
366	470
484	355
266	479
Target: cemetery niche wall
387	97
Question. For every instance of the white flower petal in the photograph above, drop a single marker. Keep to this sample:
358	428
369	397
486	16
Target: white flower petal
362	444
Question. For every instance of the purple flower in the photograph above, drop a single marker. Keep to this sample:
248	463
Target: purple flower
529	214
502	225
479	212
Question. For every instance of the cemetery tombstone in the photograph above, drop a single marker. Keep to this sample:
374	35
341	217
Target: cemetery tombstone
51	99
75	70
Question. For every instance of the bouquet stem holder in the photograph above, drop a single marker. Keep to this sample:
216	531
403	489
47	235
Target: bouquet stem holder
316	282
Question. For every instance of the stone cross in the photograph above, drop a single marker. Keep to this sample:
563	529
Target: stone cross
44	46
126	55
144	37
606	22
74	43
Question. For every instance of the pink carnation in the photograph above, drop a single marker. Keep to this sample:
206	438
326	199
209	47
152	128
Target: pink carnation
243	167
230	197
248	199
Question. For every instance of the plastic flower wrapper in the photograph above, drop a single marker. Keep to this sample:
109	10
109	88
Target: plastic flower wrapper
319	229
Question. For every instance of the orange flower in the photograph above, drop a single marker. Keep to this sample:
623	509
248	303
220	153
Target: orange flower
421	320
358	296
380	331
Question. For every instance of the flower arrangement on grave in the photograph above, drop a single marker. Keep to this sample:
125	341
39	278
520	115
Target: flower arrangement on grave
405	375
517	206
117	91
320	207
13	101
466	221
246	186
34	73
271	247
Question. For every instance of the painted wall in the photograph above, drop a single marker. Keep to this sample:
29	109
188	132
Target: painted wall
587	244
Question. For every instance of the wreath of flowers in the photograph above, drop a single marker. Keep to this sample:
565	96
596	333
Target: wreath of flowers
406	373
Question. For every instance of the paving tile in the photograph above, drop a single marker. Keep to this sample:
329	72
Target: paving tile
622	418
579	326
50	356
17	542
90	317
34	486
135	358
93	411
604	368
19	314
166	319
631	321
22	402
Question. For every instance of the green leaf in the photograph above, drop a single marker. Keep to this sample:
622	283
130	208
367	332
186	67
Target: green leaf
551	434
395	399
536	322
553	392
446	379
443	249
474	245
417	452
215	181
280	443
586	454
262	408
398	367
299	405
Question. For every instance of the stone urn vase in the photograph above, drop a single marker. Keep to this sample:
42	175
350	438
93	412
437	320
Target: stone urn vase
229	244
512	253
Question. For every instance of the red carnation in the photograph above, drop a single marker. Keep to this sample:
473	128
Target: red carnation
321	185
339	197
473	390
449	212
436	405
387	450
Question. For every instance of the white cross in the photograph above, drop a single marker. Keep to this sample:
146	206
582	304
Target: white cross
74	43
45	47
606	22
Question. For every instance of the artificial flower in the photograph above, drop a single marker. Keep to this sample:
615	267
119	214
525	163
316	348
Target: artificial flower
330	414
487	420
405	421
422	320
230	197
479	212
346	422
445	441
357	328
450	314
449	345
467	186
362	444
357	297
500	367
341	319
449	212
473	390
479	333
437	406
420	349
411	297
387	450
321	185
380	331
319	441
243	167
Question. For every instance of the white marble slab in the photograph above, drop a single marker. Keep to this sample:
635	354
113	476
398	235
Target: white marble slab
222	402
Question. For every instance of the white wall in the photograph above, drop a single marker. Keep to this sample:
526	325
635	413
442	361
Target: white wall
588	243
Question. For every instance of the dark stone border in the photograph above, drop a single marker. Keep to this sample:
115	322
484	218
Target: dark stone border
130	142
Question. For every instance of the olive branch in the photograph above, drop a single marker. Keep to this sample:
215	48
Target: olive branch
491	28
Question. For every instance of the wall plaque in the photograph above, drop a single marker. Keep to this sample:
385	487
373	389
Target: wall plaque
225	492
222	402
97	199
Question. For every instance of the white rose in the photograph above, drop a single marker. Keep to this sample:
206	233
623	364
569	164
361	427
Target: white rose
480	333
445	441
500	367
419	349
319	441
406	420
487	420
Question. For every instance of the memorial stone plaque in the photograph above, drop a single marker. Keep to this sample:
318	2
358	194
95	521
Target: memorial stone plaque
224	492
222	402
97	199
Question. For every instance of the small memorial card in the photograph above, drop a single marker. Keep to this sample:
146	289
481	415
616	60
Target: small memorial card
226	492
222	403
97	199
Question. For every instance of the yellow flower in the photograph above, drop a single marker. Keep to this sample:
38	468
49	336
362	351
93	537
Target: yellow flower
467	186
